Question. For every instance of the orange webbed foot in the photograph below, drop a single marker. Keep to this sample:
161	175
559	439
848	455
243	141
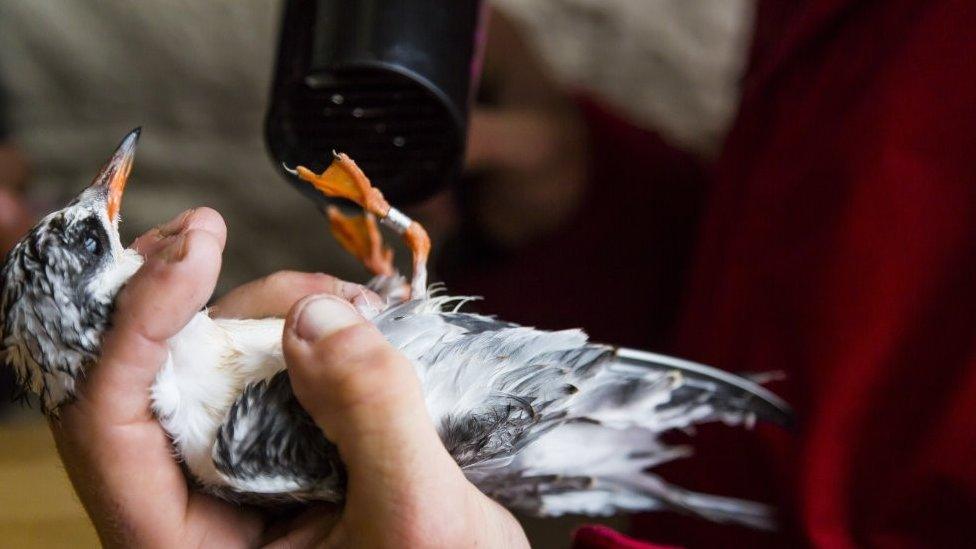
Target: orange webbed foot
361	237
344	179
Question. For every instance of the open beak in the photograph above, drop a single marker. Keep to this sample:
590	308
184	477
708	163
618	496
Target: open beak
114	174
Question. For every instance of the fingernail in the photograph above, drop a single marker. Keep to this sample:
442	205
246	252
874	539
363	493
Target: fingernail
359	295
367	303
175	225
324	316
176	250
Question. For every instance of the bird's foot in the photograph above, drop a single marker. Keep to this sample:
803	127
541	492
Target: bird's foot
360	236
344	179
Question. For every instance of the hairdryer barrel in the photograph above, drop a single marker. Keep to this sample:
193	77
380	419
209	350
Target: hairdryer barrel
387	81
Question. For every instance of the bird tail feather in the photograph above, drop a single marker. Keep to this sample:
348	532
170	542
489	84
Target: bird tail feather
734	396
634	498
624	399
609	474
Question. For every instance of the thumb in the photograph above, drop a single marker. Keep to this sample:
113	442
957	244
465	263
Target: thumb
361	392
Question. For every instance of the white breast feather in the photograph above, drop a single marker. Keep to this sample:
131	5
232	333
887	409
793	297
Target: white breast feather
209	365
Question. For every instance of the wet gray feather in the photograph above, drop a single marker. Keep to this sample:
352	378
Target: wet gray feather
268	434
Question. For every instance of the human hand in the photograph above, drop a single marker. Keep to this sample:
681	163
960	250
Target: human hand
404	489
116	454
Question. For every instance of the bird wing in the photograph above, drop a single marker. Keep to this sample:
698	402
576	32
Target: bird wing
270	448
728	391
481	371
549	423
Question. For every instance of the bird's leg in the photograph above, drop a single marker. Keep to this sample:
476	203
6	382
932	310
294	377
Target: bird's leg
344	179
360	236
419	243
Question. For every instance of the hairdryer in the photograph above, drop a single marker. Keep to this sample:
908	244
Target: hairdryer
387	81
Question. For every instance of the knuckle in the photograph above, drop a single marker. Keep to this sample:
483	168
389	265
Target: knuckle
321	282
357	347
353	386
195	235
357	343
300	282
281	280
354	367
202	242
152	273
373	381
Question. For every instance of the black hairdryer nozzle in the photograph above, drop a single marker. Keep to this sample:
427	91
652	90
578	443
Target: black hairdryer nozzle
386	81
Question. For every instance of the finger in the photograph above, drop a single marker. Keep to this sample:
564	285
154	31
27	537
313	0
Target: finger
308	529
274	295
159	300
155	239
209	518
363	393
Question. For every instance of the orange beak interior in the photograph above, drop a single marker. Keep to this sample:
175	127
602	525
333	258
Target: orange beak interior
116	186
114	175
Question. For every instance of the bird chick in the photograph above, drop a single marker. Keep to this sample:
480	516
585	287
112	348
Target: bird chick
546	423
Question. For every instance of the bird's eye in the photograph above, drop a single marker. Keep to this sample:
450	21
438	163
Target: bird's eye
92	245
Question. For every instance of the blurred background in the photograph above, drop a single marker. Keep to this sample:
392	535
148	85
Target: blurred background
599	173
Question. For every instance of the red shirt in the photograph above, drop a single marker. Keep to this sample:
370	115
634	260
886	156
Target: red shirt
838	245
